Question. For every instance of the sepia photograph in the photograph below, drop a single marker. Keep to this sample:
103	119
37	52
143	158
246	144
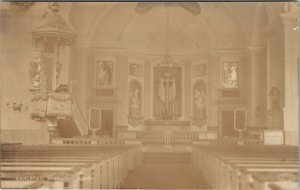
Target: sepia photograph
149	95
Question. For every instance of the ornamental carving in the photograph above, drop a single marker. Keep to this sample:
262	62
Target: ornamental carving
35	72
22	6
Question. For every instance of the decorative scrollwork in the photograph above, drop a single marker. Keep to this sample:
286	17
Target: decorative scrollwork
22	6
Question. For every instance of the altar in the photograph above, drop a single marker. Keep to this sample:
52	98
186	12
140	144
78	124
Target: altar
167	125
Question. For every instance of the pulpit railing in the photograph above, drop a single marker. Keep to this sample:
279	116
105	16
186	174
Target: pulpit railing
79	118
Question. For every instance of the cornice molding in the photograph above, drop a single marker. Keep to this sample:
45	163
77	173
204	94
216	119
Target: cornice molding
108	51
289	18
255	49
13	15
226	52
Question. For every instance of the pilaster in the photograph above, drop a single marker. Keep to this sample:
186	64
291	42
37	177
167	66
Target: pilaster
291	60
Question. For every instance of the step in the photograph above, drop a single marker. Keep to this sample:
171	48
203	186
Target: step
166	157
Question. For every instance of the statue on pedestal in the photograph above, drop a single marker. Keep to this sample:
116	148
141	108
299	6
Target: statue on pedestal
275	114
135	104
199	118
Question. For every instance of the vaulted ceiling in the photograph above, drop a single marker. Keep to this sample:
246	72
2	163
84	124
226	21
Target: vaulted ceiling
170	28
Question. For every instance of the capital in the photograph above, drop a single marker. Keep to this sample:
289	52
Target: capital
255	49
225	52
289	18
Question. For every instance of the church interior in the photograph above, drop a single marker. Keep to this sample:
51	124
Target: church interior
149	95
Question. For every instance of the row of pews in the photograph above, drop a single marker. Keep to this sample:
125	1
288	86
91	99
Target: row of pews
79	166
248	167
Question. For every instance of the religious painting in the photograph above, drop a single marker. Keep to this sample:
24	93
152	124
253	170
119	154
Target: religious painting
167	92
104	74
230	74
136	70
199	103
200	70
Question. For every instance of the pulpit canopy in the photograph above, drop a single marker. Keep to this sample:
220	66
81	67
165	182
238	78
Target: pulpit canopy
55	26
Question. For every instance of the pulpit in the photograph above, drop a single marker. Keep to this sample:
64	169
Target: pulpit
51	105
51	90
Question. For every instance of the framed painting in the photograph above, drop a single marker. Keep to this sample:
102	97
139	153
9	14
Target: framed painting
104	74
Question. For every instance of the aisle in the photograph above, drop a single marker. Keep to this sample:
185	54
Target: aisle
165	176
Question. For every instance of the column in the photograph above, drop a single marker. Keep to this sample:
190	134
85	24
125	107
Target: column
147	90
257	96
291	62
186	89
213	85
121	81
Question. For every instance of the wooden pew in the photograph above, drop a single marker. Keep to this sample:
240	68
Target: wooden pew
47	171
221	163
112	164
283	185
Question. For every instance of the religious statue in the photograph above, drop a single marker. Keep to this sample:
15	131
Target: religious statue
58	73
199	97
167	96
200	104
134	104
275	114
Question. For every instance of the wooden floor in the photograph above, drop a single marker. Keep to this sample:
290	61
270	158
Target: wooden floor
165	175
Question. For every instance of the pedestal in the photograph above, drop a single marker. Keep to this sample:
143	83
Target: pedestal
273	137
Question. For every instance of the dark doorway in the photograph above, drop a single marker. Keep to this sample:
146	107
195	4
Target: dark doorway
228	124
107	122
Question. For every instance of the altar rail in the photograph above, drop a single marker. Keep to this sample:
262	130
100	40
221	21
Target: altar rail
240	141
201	137
98	141
159	137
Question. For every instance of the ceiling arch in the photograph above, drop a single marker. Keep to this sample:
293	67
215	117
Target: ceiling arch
225	25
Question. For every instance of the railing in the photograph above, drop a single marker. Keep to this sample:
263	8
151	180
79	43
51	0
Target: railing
159	136
239	141
150	137
184	136
74	141
79	118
